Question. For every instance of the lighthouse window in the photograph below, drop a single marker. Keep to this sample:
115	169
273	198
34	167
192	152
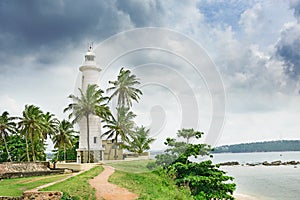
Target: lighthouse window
95	140
89	58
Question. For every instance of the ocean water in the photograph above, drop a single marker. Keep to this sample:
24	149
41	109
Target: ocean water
264	182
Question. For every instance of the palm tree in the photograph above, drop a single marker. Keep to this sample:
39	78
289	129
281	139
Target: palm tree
140	140
89	103
64	137
50	125
120	126
7	125
31	124
124	88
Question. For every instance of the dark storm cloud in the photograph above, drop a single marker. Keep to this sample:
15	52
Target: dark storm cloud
295	5
47	27
290	53
147	12
288	46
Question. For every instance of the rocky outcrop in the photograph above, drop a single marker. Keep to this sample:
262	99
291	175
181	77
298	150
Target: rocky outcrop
275	163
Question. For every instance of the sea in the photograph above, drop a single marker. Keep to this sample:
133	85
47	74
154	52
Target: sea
264	182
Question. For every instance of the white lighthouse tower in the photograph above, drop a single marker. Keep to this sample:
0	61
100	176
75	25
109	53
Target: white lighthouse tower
90	75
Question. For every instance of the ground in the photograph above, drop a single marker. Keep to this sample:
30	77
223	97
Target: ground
107	190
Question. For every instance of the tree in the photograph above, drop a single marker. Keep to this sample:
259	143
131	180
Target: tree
120	126
187	134
90	102
124	88
63	139
7	125
139	140
205	180
31	124
50	125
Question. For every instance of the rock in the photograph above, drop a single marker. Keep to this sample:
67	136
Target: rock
229	163
253	164
276	163
266	163
292	163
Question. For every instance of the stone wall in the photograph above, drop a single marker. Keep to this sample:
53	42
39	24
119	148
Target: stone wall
42	195
8	167
26	169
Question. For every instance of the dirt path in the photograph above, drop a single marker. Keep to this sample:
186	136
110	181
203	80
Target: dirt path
109	191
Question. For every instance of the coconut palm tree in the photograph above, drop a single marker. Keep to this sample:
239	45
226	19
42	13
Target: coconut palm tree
7	125
63	139
90	102
124	88
121	126
50	125
31	125
139	140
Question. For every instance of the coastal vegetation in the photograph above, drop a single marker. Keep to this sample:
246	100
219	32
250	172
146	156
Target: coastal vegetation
267	146
203	179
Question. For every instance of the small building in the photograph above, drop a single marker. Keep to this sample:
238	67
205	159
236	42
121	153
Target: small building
112	150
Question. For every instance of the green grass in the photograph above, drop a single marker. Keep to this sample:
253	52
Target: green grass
78	186
136	166
150	185
135	176
16	186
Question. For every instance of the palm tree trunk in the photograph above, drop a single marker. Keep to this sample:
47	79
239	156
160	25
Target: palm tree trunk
116	142
27	148
32	146
88	136
8	155
65	158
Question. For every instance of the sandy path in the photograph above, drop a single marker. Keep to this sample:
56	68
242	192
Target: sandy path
109	191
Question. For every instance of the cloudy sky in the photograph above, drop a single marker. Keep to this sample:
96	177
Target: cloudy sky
254	47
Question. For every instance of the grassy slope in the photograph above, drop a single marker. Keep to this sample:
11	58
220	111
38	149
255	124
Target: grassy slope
149	185
78	186
137	166
15	187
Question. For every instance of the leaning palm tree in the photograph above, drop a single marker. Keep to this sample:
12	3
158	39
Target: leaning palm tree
139	140
90	102
31	125
7	125
121	126
124	88
63	139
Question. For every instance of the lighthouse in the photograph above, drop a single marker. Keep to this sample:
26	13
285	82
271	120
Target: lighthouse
90	74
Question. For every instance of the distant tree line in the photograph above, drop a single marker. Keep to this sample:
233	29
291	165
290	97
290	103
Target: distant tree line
267	146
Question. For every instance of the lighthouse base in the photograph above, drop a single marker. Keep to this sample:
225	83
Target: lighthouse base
95	156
